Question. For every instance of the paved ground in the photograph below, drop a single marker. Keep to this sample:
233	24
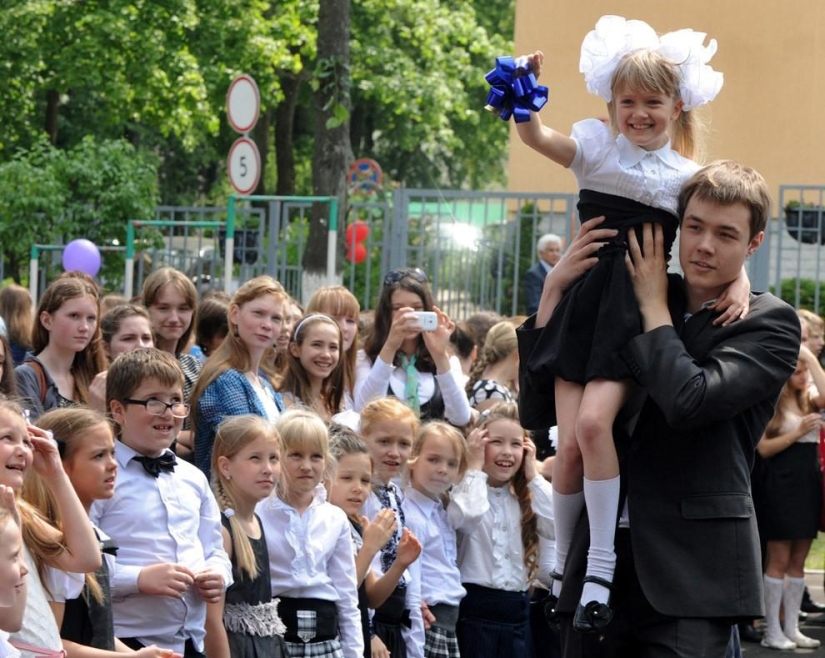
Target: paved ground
809	628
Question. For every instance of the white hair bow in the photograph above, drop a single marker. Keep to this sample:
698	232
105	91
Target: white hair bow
614	37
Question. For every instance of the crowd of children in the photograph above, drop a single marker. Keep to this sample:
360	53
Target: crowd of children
351	495
308	524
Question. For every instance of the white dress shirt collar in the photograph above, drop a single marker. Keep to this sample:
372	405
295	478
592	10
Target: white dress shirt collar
630	155
124	454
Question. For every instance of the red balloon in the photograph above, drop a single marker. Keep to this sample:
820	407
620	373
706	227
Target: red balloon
358	231
357	253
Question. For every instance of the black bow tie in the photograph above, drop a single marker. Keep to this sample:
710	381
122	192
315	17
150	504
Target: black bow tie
108	547
154	465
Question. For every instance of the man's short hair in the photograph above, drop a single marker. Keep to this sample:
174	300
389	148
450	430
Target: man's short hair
547	239
128	372
727	183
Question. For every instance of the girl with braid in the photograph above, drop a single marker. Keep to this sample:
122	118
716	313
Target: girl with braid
246	468
501	491
496	369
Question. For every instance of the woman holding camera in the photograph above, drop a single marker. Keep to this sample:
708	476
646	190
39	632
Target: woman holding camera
406	354
791	499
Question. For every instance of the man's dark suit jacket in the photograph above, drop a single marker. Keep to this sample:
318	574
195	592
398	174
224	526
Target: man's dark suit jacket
533	285
711	392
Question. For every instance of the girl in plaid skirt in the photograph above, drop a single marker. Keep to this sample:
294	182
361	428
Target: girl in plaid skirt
311	559
438	459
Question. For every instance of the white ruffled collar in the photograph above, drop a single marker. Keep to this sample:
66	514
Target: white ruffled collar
630	155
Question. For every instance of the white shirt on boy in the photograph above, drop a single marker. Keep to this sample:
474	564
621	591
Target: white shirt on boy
173	518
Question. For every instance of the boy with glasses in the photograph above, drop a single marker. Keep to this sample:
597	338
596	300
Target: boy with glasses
163	517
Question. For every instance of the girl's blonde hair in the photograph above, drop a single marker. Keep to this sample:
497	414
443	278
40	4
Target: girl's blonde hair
296	380
815	322
383	409
69	426
37	530
804	399
89	361
232	436
154	284
233	353
500	343
334	301
651	72
529	523
302	428
444	430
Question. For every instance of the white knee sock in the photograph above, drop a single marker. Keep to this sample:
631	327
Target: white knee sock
773	601
602	500
567	508
791	601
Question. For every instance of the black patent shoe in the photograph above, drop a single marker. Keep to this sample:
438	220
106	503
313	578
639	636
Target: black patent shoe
809	605
551	601
750	633
594	616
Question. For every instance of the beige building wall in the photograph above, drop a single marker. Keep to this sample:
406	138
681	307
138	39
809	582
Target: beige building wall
769	115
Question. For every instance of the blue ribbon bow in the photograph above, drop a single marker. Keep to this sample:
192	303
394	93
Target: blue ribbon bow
511	94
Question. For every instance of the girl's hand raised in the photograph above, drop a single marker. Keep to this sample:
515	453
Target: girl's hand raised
404	325
378	532
409	548
438	341
46	457
9	502
476	444
535	60
530	468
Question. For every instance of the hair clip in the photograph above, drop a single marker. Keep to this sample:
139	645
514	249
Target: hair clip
414	273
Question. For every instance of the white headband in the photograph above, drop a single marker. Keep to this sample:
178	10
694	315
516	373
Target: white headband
614	37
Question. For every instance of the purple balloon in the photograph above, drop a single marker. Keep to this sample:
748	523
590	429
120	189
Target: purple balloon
81	255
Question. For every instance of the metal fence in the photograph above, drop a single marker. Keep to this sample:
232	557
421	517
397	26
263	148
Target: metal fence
474	246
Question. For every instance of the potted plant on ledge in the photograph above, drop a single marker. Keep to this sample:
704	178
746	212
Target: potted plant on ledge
805	222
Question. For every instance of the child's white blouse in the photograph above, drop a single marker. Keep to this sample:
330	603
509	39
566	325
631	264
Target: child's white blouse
613	165
488	522
440	577
311	555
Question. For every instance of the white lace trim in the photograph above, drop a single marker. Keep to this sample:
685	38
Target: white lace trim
261	619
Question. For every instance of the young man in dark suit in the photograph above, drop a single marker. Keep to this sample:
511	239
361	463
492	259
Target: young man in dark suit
688	559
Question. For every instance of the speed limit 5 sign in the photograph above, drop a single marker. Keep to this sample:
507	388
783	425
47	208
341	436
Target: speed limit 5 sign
244	165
